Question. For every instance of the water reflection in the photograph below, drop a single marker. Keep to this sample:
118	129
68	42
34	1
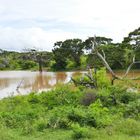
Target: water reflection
23	82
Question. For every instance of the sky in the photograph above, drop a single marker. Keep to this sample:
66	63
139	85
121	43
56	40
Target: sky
40	23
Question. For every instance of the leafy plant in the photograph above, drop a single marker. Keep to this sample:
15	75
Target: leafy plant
80	132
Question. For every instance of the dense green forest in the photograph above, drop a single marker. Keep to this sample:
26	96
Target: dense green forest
75	54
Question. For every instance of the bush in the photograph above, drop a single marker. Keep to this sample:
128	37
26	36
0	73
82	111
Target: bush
98	116
88	98
113	95
102	78
94	115
16	119
57	117
79	132
62	95
33	98
78	115
27	128
133	109
42	124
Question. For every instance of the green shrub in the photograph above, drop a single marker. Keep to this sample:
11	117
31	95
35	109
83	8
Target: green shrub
62	95
42	124
102	78
33	98
27	128
94	115
57	117
78	115
99	115
116	95
133	109
79	132
17	119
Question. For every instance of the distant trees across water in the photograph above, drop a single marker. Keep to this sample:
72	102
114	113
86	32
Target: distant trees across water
75	54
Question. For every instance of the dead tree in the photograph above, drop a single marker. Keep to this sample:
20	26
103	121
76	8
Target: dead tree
92	83
102	57
36	56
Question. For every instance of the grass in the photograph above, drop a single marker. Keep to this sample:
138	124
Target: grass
58	134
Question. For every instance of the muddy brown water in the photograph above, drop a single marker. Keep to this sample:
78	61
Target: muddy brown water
28	81
24	82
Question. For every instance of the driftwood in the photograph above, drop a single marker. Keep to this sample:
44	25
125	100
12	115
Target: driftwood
18	86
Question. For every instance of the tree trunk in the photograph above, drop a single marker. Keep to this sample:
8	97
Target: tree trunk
40	66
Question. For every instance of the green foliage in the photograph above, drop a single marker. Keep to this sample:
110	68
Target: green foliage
130	127
42	124
83	60
116	96
100	114
78	115
24	60
62	95
133	109
102	78
58	118
99	79
67	53
33	98
28	64
70	64
80	132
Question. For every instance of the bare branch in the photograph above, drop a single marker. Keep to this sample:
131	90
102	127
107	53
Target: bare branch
83	83
103	59
18	86
130	66
107	65
104	54
134	58
136	78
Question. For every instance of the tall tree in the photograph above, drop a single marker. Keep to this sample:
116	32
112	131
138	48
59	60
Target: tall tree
131	43
133	39
104	44
68	49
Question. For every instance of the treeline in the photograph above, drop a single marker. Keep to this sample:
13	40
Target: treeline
27	60
76	54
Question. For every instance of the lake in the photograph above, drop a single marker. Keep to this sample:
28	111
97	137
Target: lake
24	82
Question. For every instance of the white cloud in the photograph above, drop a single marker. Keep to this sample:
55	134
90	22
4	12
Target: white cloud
19	39
43	22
